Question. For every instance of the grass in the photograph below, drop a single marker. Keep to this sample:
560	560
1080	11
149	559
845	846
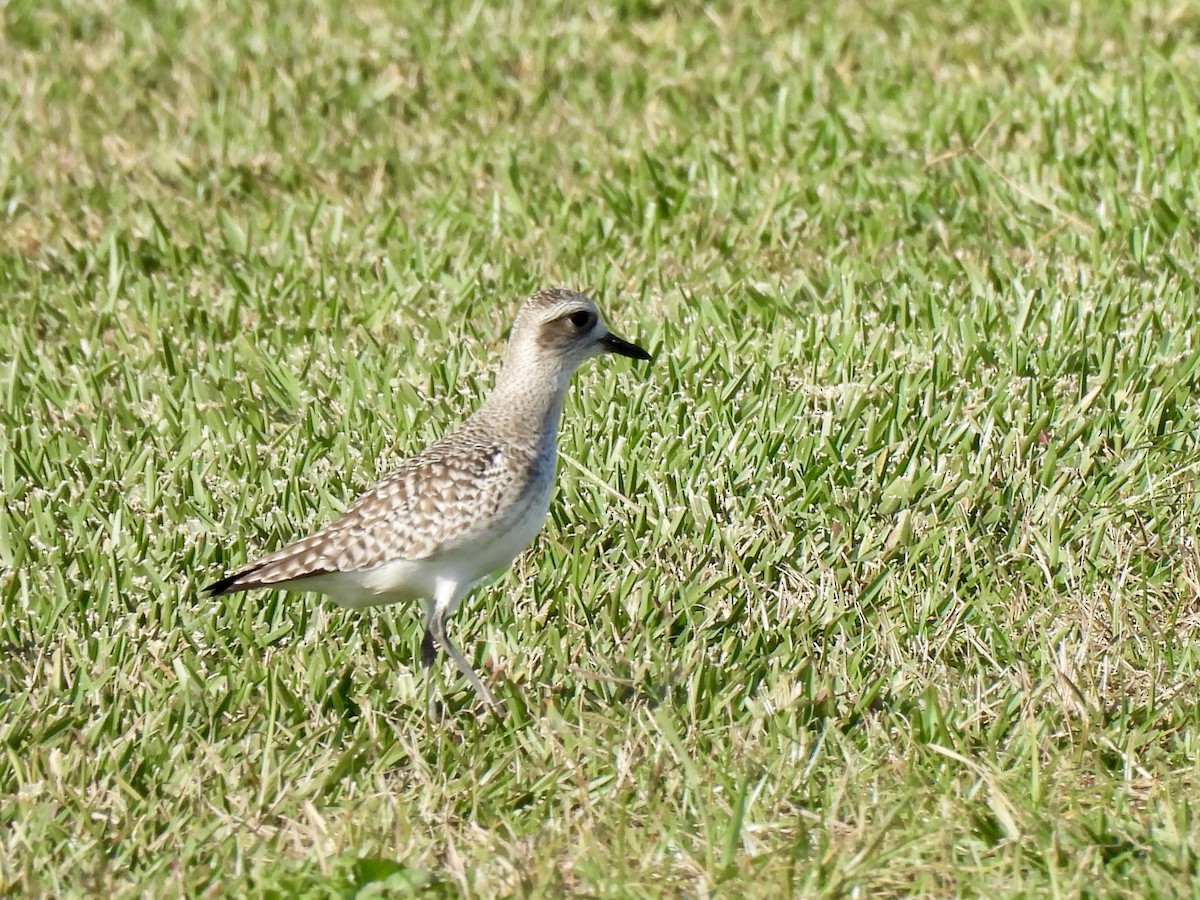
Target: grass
883	579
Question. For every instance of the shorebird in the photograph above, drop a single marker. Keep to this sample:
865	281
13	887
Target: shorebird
464	507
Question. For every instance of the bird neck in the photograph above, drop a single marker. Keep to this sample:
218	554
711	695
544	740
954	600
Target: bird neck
526	404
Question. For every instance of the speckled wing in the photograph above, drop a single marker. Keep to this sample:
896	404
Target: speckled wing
433	502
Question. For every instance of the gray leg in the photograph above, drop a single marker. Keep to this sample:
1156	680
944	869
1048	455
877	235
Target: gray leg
437	626
428	658
428	649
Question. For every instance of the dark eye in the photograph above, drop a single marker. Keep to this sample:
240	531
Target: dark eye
582	319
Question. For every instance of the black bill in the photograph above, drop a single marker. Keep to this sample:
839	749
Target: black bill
614	344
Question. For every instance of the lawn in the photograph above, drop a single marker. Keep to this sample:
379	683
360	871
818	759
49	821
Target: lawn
882	579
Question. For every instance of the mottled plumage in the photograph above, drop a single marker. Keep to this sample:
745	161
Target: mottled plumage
433	503
465	506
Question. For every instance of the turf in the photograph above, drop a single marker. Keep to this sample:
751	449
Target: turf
882	579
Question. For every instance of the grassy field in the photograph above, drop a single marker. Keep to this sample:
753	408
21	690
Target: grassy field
882	579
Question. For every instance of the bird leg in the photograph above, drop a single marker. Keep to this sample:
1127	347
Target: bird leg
428	658
437	627
428	649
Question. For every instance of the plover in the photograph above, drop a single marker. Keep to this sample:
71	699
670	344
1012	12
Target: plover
465	506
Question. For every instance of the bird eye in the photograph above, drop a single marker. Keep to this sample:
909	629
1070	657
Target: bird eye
582	319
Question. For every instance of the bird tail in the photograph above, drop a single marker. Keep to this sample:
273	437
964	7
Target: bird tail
241	580
292	563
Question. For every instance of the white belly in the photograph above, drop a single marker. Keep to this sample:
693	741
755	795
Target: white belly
497	548
392	582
